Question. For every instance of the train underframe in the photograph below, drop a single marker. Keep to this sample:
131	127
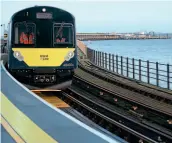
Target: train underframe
39	79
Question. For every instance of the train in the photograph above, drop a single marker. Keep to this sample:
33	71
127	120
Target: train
42	50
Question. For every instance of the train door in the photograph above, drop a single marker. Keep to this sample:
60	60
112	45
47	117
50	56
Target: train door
44	34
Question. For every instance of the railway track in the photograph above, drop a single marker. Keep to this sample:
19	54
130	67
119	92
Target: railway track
128	128
126	83
145	107
53	97
123	124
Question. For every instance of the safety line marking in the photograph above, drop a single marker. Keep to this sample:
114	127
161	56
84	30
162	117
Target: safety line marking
24	126
11	131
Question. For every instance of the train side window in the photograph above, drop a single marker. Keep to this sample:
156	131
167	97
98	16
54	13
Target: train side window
63	34
24	33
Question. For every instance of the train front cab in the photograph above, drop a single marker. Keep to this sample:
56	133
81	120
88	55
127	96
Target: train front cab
46	61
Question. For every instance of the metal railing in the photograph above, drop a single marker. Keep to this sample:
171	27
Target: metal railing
149	72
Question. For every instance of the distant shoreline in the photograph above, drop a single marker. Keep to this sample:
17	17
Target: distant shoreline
122	39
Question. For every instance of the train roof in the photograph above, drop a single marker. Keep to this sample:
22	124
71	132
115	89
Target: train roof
36	6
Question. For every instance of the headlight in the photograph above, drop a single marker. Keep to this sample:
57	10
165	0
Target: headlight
67	58
18	55
70	54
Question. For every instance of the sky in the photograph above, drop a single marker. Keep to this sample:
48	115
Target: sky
105	16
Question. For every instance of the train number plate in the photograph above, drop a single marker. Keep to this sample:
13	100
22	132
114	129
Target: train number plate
44	15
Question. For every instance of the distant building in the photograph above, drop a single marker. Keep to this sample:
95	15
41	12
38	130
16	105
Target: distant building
3	41
142	33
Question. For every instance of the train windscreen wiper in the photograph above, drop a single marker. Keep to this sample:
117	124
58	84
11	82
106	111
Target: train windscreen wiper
25	24
60	29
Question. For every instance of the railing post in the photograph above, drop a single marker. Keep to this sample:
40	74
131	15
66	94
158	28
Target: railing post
133	68
100	58
121	65
109	62
140	70
148	79
168	76
103	59
117	63
127	66
106	60
157	74
113	63
96	57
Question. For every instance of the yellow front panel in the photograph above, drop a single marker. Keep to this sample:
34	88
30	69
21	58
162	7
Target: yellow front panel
44	56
